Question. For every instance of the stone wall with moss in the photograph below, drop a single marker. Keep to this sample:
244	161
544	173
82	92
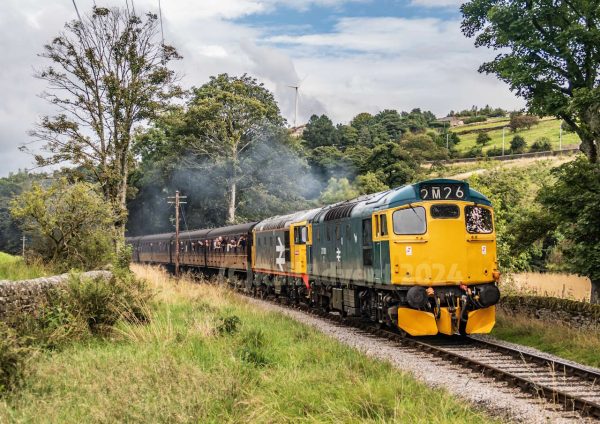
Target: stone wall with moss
23	296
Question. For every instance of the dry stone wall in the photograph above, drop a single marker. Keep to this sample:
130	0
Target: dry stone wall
22	296
570	312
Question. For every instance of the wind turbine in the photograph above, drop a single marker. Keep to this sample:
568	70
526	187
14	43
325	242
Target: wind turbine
295	87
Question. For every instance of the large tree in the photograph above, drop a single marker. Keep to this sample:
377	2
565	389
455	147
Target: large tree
224	119
549	53
69	224
109	71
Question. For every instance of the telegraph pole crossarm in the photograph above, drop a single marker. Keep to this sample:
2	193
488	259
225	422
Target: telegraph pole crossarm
176	200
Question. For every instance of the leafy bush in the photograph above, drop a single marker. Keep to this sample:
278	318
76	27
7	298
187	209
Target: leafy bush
518	121
542	144
494	151
474	119
13	357
517	144
474	152
101	302
72	223
483	138
83	307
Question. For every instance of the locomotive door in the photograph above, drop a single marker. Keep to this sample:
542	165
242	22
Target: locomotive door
381	249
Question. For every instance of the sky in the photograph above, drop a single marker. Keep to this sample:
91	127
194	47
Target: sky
347	56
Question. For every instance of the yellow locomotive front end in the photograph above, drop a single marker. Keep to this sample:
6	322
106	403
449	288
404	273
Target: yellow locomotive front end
443	250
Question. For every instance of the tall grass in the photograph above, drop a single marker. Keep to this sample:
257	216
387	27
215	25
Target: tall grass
14	268
207	355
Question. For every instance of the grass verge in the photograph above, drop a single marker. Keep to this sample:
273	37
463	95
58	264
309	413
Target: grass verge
15	268
570	343
208	356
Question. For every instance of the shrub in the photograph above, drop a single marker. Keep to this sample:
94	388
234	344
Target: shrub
101	302
542	144
518	121
517	144
72	223
495	151
13	357
473	119
483	138
474	152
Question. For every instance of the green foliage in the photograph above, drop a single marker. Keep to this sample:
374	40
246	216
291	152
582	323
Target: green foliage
513	193
228	324
518	144
84	307
483	138
572	204
252	348
71	224
13	358
319	132
14	184
542	144
108	71
519	121
474	119
338	190
370	183
548	57
228	152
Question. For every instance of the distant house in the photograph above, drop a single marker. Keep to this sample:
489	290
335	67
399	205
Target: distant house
453	121
297	132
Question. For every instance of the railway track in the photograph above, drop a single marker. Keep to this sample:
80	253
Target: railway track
570	387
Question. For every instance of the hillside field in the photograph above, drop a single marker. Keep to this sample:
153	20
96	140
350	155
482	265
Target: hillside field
547	127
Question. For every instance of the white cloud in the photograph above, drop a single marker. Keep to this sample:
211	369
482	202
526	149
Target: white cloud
364	64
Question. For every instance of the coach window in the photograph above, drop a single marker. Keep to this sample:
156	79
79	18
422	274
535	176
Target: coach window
410	221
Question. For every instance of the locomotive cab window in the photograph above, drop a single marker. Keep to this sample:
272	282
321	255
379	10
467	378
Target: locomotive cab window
300	235
410	221
478	220
383	225
444	211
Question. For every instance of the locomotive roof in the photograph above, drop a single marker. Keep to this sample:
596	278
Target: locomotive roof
284	221
365	205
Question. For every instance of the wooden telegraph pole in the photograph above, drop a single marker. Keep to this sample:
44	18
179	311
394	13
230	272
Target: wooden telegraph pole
177	201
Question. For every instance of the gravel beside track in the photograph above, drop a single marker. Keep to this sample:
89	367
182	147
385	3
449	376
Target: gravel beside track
483	392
